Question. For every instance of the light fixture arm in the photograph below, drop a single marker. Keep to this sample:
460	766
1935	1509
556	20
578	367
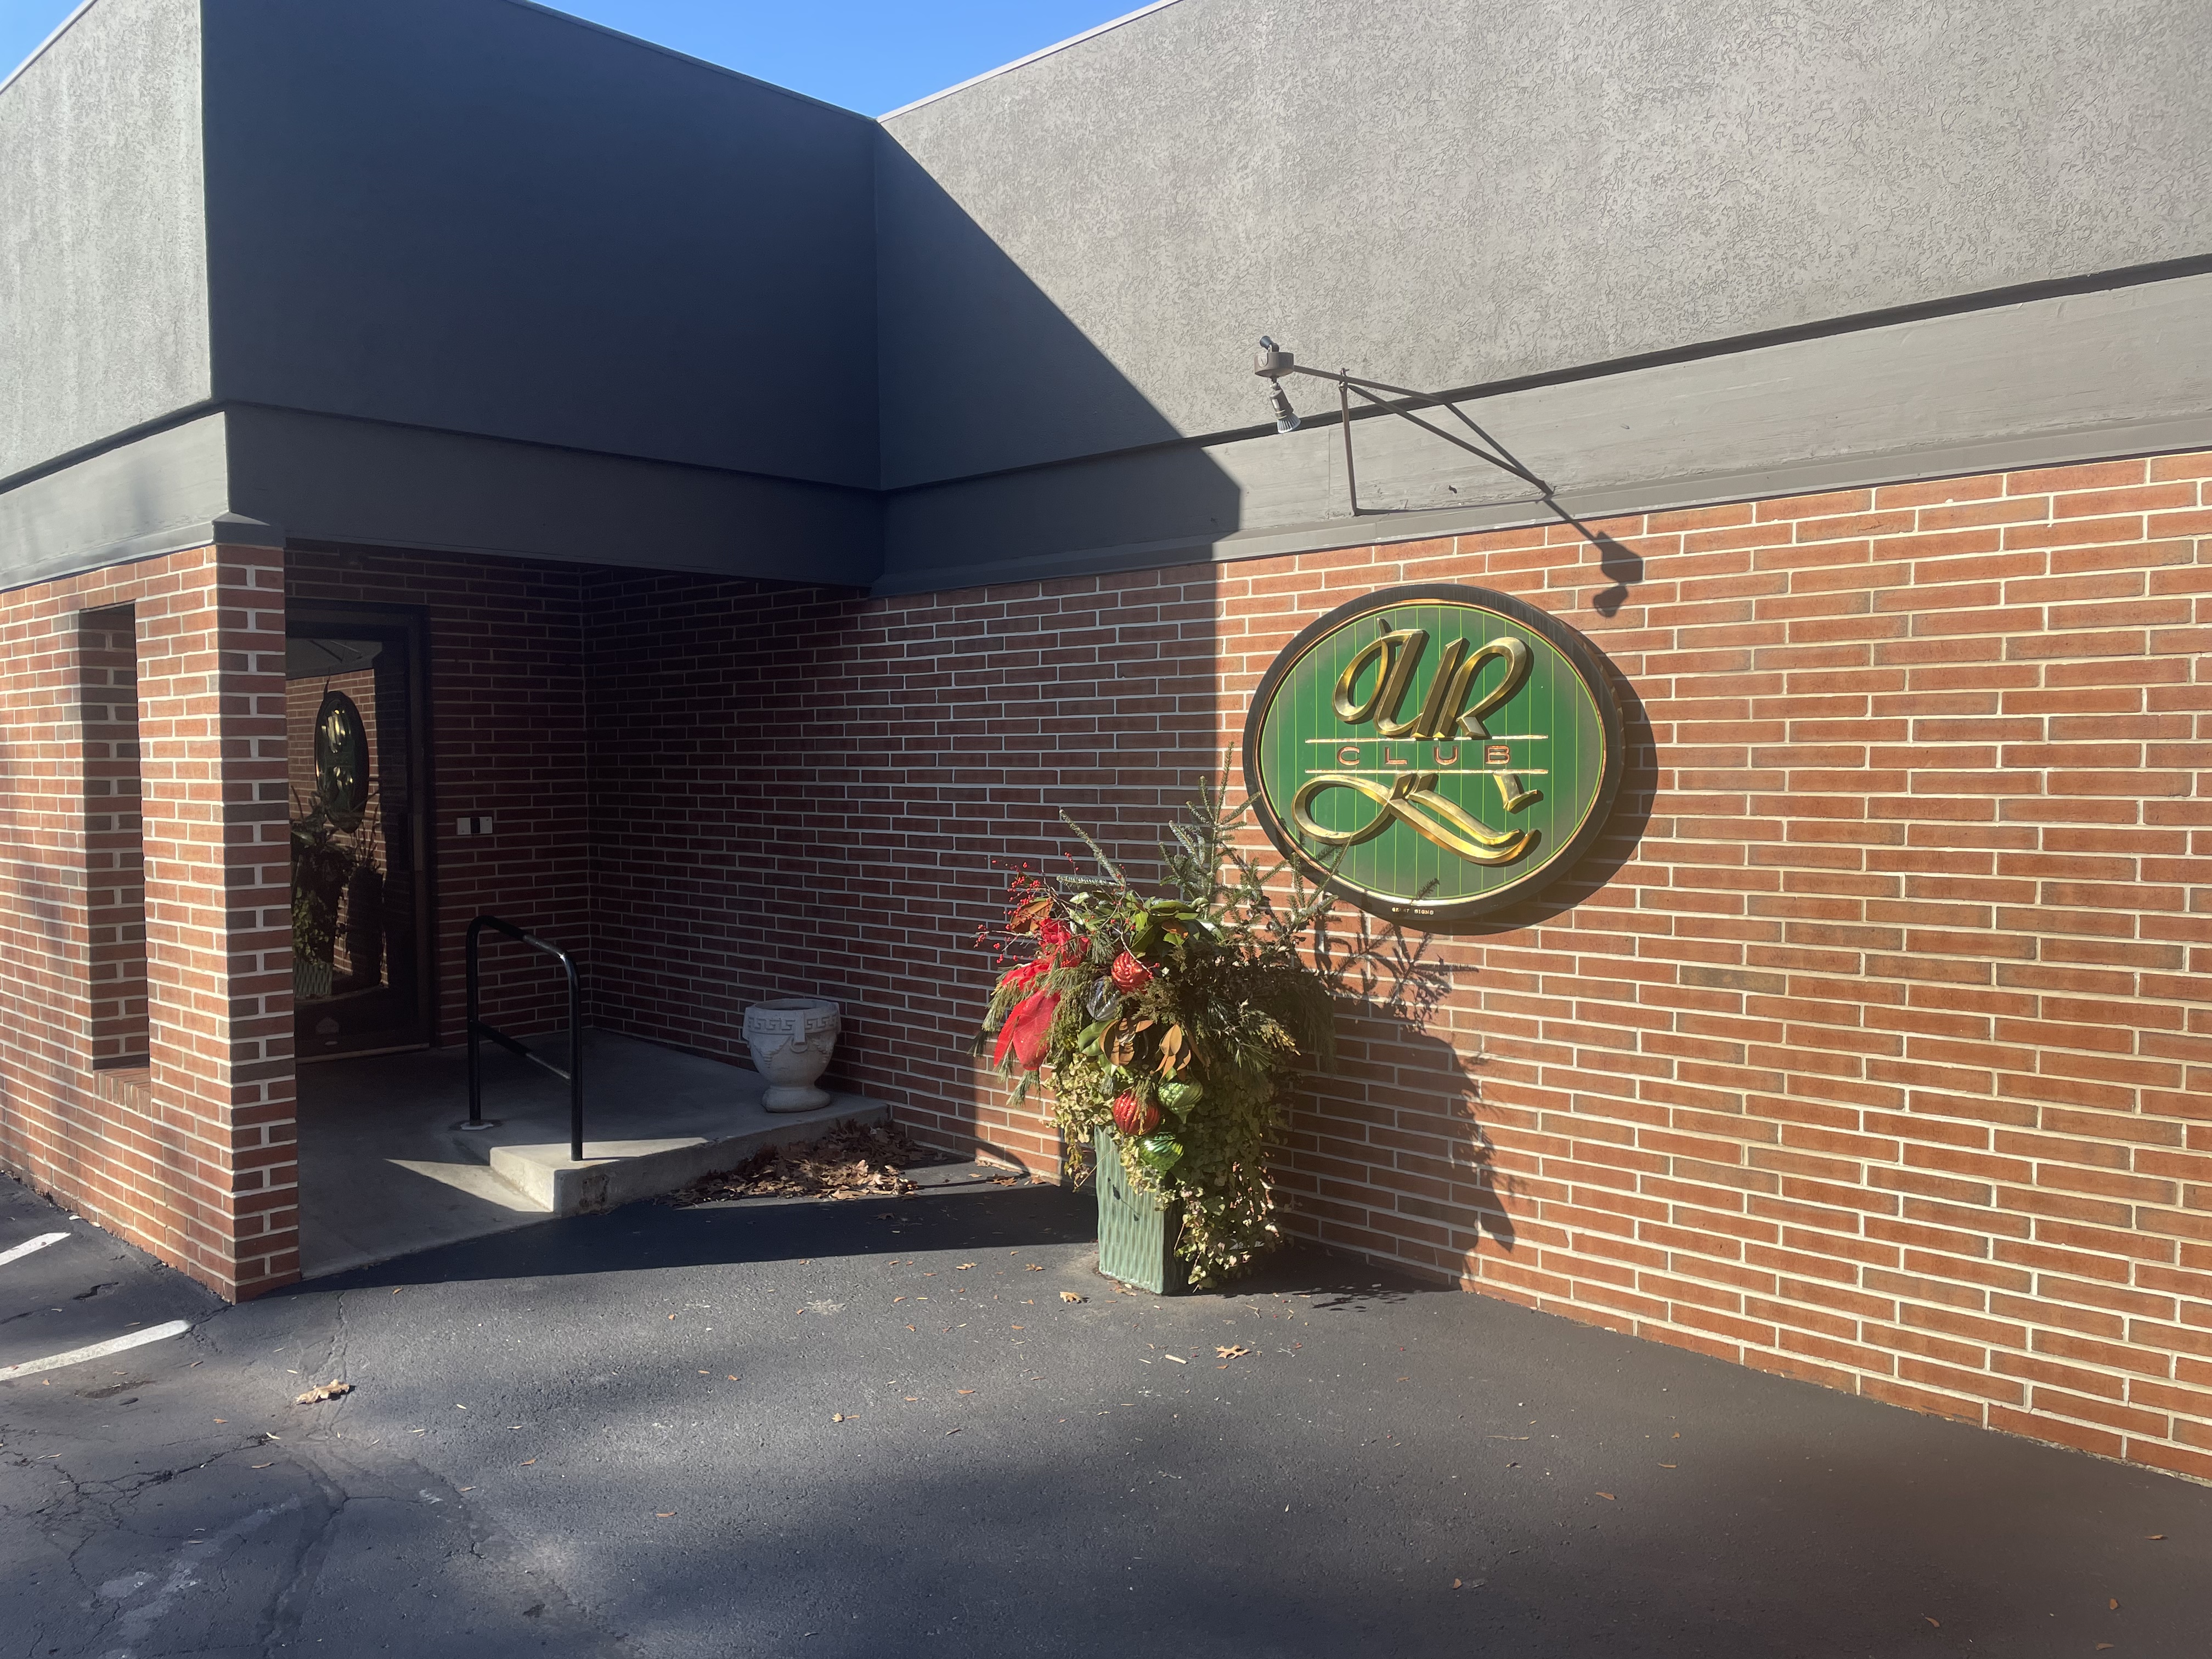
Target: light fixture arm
1274	362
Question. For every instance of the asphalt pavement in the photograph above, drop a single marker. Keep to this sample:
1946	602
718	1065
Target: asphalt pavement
880	1427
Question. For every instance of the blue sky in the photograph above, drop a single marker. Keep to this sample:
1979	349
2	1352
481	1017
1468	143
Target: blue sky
868	55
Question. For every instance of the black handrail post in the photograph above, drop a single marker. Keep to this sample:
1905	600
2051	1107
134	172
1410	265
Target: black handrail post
575	1060
475	1055
478	1029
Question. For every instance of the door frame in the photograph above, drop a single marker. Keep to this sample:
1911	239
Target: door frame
332	617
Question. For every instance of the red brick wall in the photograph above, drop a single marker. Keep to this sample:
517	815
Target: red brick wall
796	793
507	734
194	1158
1872	1048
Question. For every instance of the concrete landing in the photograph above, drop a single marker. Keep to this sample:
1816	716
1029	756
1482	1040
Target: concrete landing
384	1171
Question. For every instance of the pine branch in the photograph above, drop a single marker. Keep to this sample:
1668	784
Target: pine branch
1112	869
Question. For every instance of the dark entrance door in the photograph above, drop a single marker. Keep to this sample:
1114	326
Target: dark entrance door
358	770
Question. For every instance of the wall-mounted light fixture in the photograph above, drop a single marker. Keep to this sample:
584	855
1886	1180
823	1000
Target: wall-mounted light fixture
1273	363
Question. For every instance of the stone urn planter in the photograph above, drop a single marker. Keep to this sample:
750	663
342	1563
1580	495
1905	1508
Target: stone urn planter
791	1039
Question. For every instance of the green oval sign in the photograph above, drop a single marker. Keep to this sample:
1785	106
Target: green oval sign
1444	751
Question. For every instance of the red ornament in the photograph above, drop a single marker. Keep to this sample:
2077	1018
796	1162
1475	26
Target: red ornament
1130	976
1132	1117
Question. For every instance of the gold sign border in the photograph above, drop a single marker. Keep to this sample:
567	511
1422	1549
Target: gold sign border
1448	916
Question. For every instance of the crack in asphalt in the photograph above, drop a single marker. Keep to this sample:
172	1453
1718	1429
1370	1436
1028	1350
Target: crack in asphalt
126	1610
136	1624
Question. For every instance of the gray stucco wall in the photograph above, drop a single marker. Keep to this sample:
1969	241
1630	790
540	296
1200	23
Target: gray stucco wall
481	216
2124	371
478	277
103	304
1448	194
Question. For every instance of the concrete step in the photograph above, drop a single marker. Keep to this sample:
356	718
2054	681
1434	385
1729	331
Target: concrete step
388	1166
616	1172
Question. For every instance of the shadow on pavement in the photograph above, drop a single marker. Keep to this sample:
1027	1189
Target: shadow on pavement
651	1236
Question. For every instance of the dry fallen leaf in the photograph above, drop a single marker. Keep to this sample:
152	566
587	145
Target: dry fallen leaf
1454	1583
2113	1603
1608	1497
837	1417
964	1267
1034	1268
330	1390
1938	1623
1236	1352
1070	1296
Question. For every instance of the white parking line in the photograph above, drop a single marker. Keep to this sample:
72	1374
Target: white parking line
97	1351
38	1243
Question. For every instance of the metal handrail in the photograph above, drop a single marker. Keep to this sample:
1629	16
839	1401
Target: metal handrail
478	1029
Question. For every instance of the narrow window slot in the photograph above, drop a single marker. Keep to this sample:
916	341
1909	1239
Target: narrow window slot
115	853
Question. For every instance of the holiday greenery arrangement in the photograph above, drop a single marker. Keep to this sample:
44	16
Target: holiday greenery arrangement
1174	1021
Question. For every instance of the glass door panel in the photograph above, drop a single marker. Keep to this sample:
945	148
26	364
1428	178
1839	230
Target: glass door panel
361	938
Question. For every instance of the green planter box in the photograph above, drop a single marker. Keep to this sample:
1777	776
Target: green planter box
1136	1232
